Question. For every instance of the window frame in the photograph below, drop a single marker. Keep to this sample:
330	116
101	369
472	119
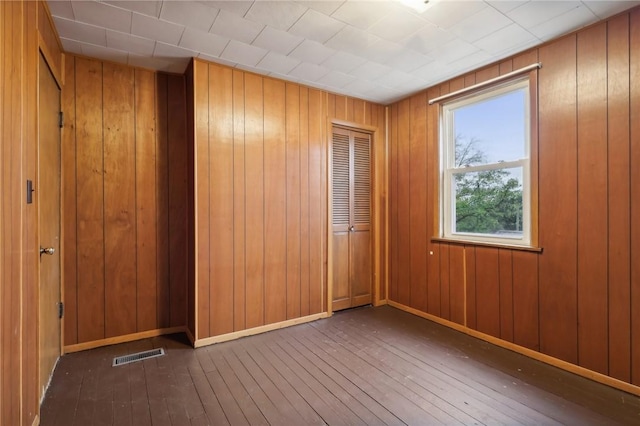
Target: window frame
448	169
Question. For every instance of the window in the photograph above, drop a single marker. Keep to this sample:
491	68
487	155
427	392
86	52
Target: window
485	166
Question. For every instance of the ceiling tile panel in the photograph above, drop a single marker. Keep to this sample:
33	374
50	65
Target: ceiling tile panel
239	7
146	7
574	19
362	14
505	6
277	40
103	15
531	14
155	29
232	26
480	25
352	40
409	60
428	38
383	51
242	53
312	51
277	14
395	78
323	6
344	62
397	25
505	39
127	42
336	79
61	9
71	46
81	32
207	43
164	50
606	8
196	16
370	71
275	62
445	14
454	50
175	65
316	26
309	72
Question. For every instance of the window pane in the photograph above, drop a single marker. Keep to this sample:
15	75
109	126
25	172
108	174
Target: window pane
489	202
491	131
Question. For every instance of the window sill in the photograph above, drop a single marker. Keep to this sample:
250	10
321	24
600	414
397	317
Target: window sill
485	244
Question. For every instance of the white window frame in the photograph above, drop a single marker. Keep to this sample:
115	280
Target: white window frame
448	169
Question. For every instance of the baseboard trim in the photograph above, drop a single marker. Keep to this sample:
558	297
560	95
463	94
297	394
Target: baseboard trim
258	330
122	339
547	359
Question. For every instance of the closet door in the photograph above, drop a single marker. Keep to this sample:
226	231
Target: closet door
351	218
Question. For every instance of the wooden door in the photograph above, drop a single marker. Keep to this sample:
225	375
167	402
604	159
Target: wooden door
351	218
48	195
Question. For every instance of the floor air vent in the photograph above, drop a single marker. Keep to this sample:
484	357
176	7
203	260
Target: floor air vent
128	359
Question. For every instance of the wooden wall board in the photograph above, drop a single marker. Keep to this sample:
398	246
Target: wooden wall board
119	209
221	224
275	219
634	137
592	199
419	235
618	202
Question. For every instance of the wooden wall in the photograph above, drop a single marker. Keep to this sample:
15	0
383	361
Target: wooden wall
260	191
124	161
579	300
23	29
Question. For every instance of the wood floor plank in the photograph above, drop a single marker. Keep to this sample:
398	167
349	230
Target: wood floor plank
364	366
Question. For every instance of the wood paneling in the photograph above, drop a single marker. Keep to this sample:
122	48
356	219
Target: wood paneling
261	186
20	39
578	299
125	192
592	199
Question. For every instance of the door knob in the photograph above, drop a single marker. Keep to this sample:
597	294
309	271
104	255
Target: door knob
351	228
47	250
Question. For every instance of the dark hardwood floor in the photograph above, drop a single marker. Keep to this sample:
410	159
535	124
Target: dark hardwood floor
365	366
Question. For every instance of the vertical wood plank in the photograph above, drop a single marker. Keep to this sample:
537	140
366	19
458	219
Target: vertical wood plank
304	202
340	107
470	278
145	181
634	98
119	200
177	151
404	203
162	201
393	202
558	187
618	202
445	280
456	284
487	291
293	223
254	192
359	107
275	193
239	212
202	196
221	200
89	162
69	198
592	199
526	316
433	203
505	265
316	236
418	235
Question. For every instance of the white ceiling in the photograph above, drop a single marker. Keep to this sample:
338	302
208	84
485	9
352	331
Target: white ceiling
375	50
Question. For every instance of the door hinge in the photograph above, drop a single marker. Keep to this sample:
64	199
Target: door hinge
61	119
60	310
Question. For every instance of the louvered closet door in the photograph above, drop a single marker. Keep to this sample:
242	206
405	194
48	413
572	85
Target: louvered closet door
351	218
